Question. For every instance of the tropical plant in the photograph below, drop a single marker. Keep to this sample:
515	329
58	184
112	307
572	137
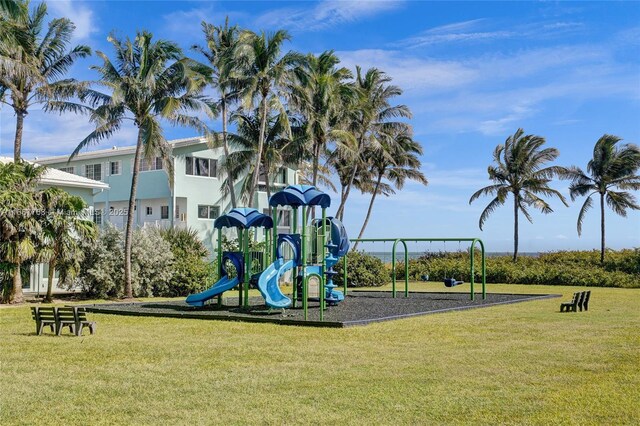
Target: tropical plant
278	148
611	173
33	64
396	161
20	228
191	270
266	72
64	229
372	116
222	45
519	171
150	81
9	7
319	91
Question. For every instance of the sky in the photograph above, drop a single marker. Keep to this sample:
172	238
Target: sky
472	74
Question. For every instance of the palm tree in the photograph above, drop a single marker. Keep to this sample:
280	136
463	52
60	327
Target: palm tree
64	231
20	228
279	147
149	81
266	71
396	161
519	171
35	63
372	116
319	90
610	168
222	53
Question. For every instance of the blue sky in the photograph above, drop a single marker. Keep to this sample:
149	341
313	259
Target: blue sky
473	72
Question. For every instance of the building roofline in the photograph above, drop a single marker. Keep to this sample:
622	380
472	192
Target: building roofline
116	151
55	177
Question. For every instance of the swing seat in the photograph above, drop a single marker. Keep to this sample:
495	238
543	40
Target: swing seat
452	282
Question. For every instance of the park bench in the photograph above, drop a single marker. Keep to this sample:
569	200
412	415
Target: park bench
65	317
59	318
44	316
82	321
580	301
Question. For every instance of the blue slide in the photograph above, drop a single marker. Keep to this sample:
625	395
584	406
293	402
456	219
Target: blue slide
225	283
268	284
221	286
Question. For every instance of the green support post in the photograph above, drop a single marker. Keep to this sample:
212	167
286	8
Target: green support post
274	214
323	277
344	273
247	269
240	244
296	270
303	262
219	257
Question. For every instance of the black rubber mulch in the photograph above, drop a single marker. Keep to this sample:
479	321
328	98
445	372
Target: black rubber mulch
358	308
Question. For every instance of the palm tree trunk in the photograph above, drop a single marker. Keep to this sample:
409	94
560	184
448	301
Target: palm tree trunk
268	182
16	295
17	143
128	288
602	242
366	219
343	201
52	270
256	176
515	227
232	191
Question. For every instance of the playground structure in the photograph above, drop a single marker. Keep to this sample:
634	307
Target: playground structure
309	252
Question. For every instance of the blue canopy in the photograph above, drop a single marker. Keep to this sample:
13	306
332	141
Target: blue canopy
243	218
300	195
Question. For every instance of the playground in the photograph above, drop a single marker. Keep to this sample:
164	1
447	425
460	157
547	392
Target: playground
302	262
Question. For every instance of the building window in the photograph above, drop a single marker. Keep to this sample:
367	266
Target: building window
208	212
201	167
69	169
115	168
164	212
93	171
97	216
149	211
155	164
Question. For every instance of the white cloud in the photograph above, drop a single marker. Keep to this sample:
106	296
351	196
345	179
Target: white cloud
325	14
79	13
561	237
480	30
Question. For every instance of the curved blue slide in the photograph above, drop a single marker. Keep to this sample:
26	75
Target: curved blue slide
225	283
268	284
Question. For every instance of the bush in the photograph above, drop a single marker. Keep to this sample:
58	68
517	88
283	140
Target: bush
102	271
192	272
363	270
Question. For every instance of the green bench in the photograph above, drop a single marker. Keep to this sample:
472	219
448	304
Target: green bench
580	301
59	318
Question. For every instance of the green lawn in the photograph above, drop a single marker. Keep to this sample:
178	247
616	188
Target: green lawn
510	364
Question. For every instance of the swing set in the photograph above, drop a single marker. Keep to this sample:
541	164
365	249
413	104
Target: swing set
448	281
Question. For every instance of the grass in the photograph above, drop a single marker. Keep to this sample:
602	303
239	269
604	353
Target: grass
511	364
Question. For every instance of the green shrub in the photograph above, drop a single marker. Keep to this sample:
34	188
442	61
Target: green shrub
363	270
102	271
192	272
